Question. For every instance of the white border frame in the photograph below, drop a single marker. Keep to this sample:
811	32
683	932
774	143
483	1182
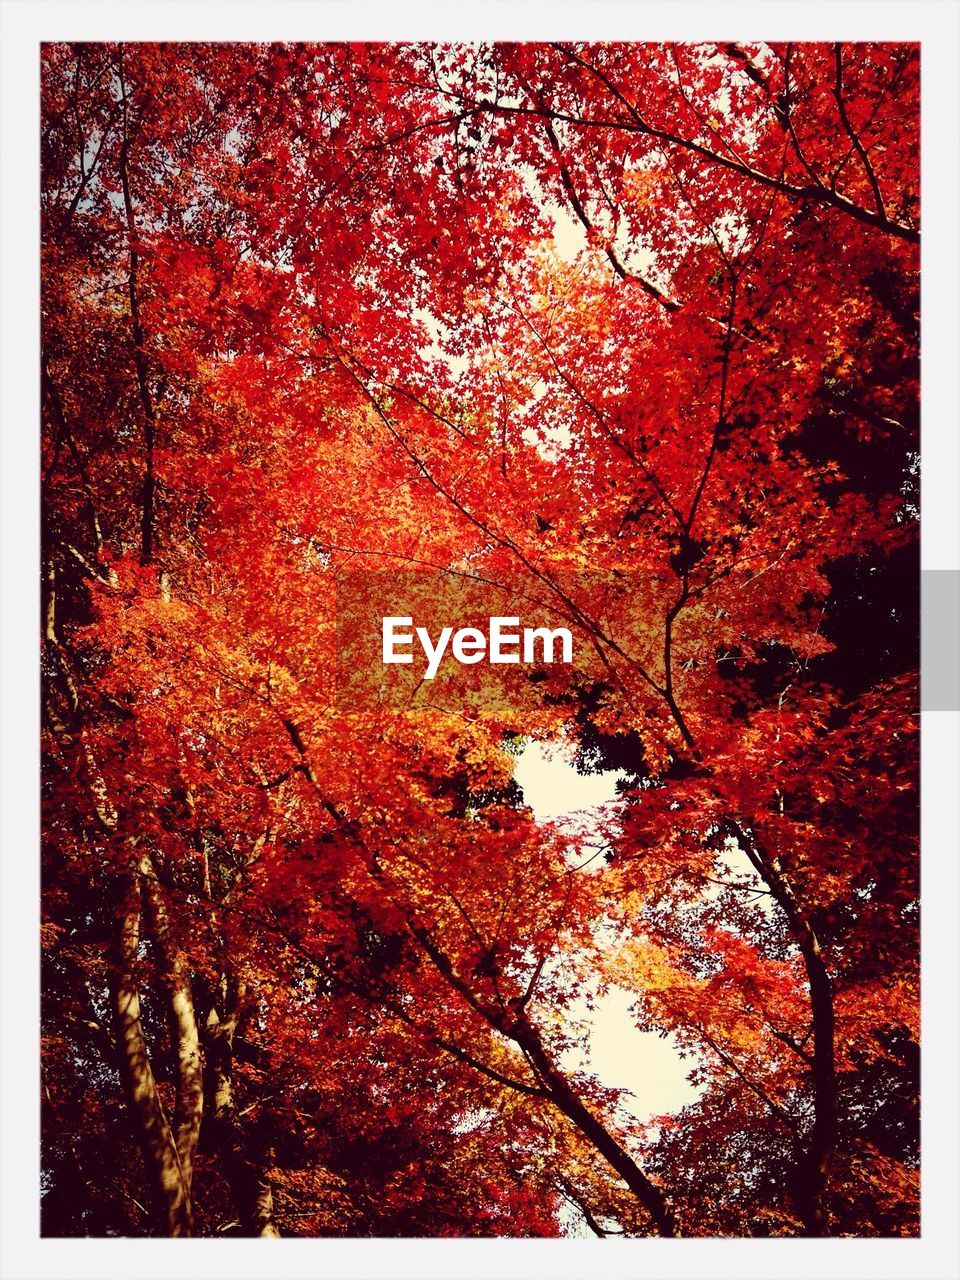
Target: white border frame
936	1255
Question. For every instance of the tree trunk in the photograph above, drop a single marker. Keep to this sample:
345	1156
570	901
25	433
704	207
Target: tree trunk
251	1191
161	1160
813	1167
188	1108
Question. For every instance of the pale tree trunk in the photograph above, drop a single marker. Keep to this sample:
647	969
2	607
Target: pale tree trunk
188	1108
161	1159
249	1186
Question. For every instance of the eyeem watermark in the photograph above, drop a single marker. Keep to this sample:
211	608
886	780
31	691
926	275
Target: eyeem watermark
502	642
460	640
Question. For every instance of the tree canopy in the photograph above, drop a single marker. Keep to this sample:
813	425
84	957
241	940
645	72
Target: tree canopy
624	334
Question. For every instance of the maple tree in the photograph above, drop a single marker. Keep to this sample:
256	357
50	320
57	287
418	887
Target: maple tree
626	333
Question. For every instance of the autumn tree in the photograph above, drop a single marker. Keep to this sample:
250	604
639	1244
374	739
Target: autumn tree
623	334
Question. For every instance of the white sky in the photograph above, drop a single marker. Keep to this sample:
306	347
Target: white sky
552	787
620	1055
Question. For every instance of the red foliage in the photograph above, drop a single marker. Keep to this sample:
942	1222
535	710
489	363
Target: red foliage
624	334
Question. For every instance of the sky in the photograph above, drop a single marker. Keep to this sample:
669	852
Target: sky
649	1066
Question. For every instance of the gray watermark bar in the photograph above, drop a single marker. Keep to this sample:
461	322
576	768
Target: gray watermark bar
390	624
940	640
